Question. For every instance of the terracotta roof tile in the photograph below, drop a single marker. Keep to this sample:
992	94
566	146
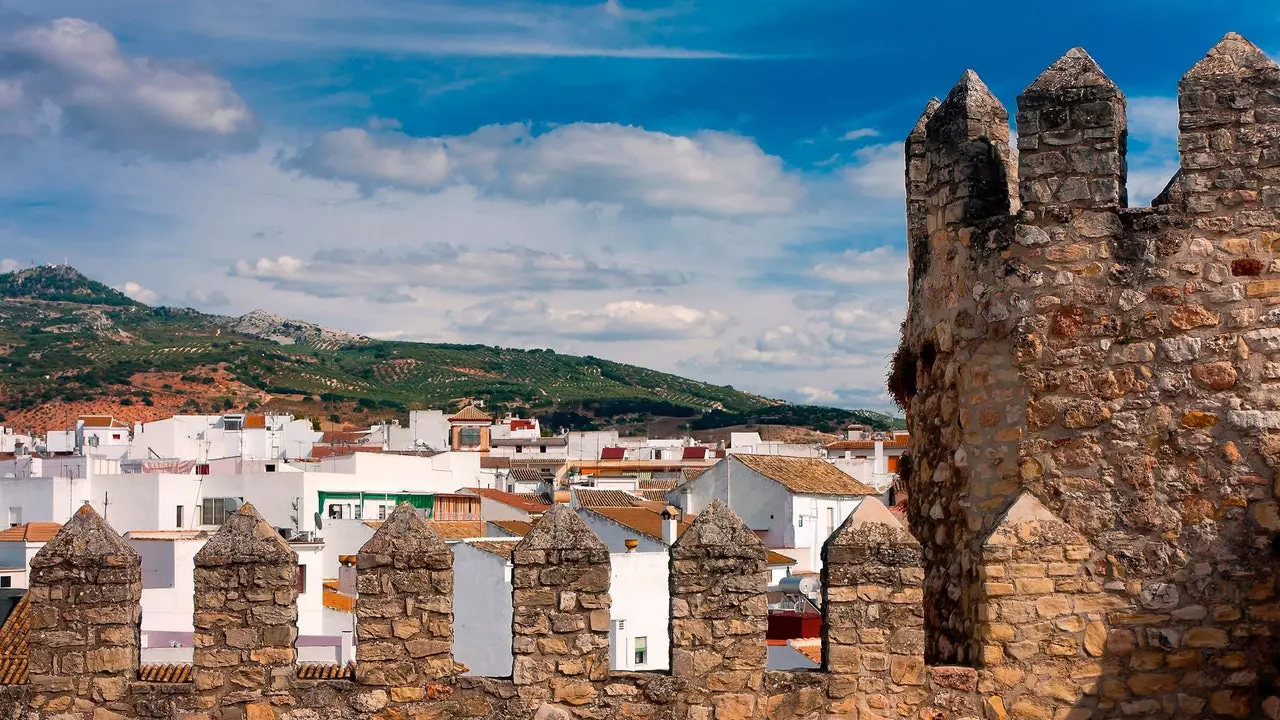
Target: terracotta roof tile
613	453
30	532
777	558
501	548
525	474
13	644
326	671
811	648
335	600
808	476
471	413
655	495
692	473
515	527
101	421
588	497
901	441
643	520
527	502
659	484
165	673
458	529
255	422
695	453
489	462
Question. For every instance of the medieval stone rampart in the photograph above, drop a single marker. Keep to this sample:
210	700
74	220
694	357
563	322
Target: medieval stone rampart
1116	368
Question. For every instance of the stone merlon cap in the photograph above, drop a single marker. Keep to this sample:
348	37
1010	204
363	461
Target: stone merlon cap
969	110
245	538
560	528
871	523
406	540
1076	69
923	123
719	527
85	540
1232	55
1028	521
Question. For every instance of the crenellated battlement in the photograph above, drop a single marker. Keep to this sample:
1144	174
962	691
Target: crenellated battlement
1114	364
86	589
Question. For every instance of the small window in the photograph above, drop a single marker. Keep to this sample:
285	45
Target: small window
542	448
271	467
178	517
6	581
469	436
519	448
302	579
642	650
115	436
831	520
382	512
335	512
15	516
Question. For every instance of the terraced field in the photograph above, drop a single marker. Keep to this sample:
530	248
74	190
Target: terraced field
67	340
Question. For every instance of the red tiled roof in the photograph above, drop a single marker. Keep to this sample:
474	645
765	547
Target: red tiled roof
501	548
255	422
458	529
335	600
777	558
13	644
515	527
165	673
694	453
101	421
806	476
643	520
901	441
811	648
658	484
30	532
327	451
588	497
471	413
613	453
521	501
489	462
349	437
524	474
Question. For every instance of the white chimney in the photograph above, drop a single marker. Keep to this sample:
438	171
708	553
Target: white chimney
881	466
668	527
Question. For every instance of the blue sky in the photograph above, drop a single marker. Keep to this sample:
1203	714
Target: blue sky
710	188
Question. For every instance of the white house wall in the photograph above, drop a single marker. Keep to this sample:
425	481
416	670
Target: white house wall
482	612
615	535
641	601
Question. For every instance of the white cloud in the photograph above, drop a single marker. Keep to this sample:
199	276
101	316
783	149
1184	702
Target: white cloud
859	133
70	76
139	293
710	173
1153	118
877	171
816	396
8	265
858	333
390	274
882	265
613	321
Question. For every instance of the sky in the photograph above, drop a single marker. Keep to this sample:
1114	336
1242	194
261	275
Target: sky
707	188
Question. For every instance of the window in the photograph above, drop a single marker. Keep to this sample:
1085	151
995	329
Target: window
214	511
15	516
831	520
271	467
302	579
335	512
178	517
469	436
519	448
642	650
382	512
542	448
6	581
202	469
115	436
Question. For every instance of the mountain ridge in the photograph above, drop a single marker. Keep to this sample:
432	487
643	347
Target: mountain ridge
70	345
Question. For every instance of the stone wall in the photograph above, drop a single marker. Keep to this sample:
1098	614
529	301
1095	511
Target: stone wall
85	608
1116	365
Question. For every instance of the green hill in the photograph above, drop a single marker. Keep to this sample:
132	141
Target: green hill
66	339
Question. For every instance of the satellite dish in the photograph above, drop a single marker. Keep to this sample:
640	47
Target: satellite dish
233	505
319	522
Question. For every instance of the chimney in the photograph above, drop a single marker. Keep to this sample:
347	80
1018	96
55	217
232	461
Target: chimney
881	467
669	526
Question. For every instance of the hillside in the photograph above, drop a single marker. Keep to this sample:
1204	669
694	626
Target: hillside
71	346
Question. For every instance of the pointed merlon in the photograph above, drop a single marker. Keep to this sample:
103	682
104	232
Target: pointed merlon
969	102
872	523
1231	56
85	540
718	532
1076	69
405	541
560	528
245	537
922	124
1028	521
